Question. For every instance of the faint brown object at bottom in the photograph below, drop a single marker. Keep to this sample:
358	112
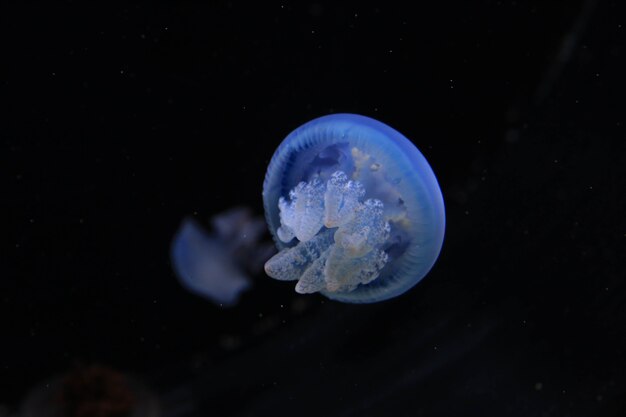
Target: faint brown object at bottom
93	391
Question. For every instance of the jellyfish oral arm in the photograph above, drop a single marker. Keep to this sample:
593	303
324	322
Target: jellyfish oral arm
340	239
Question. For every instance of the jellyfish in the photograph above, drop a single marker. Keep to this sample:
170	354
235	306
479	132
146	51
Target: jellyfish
217	265
354	208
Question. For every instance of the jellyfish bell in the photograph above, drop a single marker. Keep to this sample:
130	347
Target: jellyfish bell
354	208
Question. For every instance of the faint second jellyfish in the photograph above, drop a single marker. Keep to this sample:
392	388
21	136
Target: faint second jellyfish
217	265
355	210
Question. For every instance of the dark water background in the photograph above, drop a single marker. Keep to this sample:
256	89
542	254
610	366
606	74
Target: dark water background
118	121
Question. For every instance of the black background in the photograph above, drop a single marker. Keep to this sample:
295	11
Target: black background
118	121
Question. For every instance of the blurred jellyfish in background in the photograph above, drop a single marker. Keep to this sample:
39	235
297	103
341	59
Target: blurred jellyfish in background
217	265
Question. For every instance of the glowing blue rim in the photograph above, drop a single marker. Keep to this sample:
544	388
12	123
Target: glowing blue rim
419	185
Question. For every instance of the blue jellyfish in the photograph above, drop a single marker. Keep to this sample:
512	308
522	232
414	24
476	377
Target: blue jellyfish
354	208
217	265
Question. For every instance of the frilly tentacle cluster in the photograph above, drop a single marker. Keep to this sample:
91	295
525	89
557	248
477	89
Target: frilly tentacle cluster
340	238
